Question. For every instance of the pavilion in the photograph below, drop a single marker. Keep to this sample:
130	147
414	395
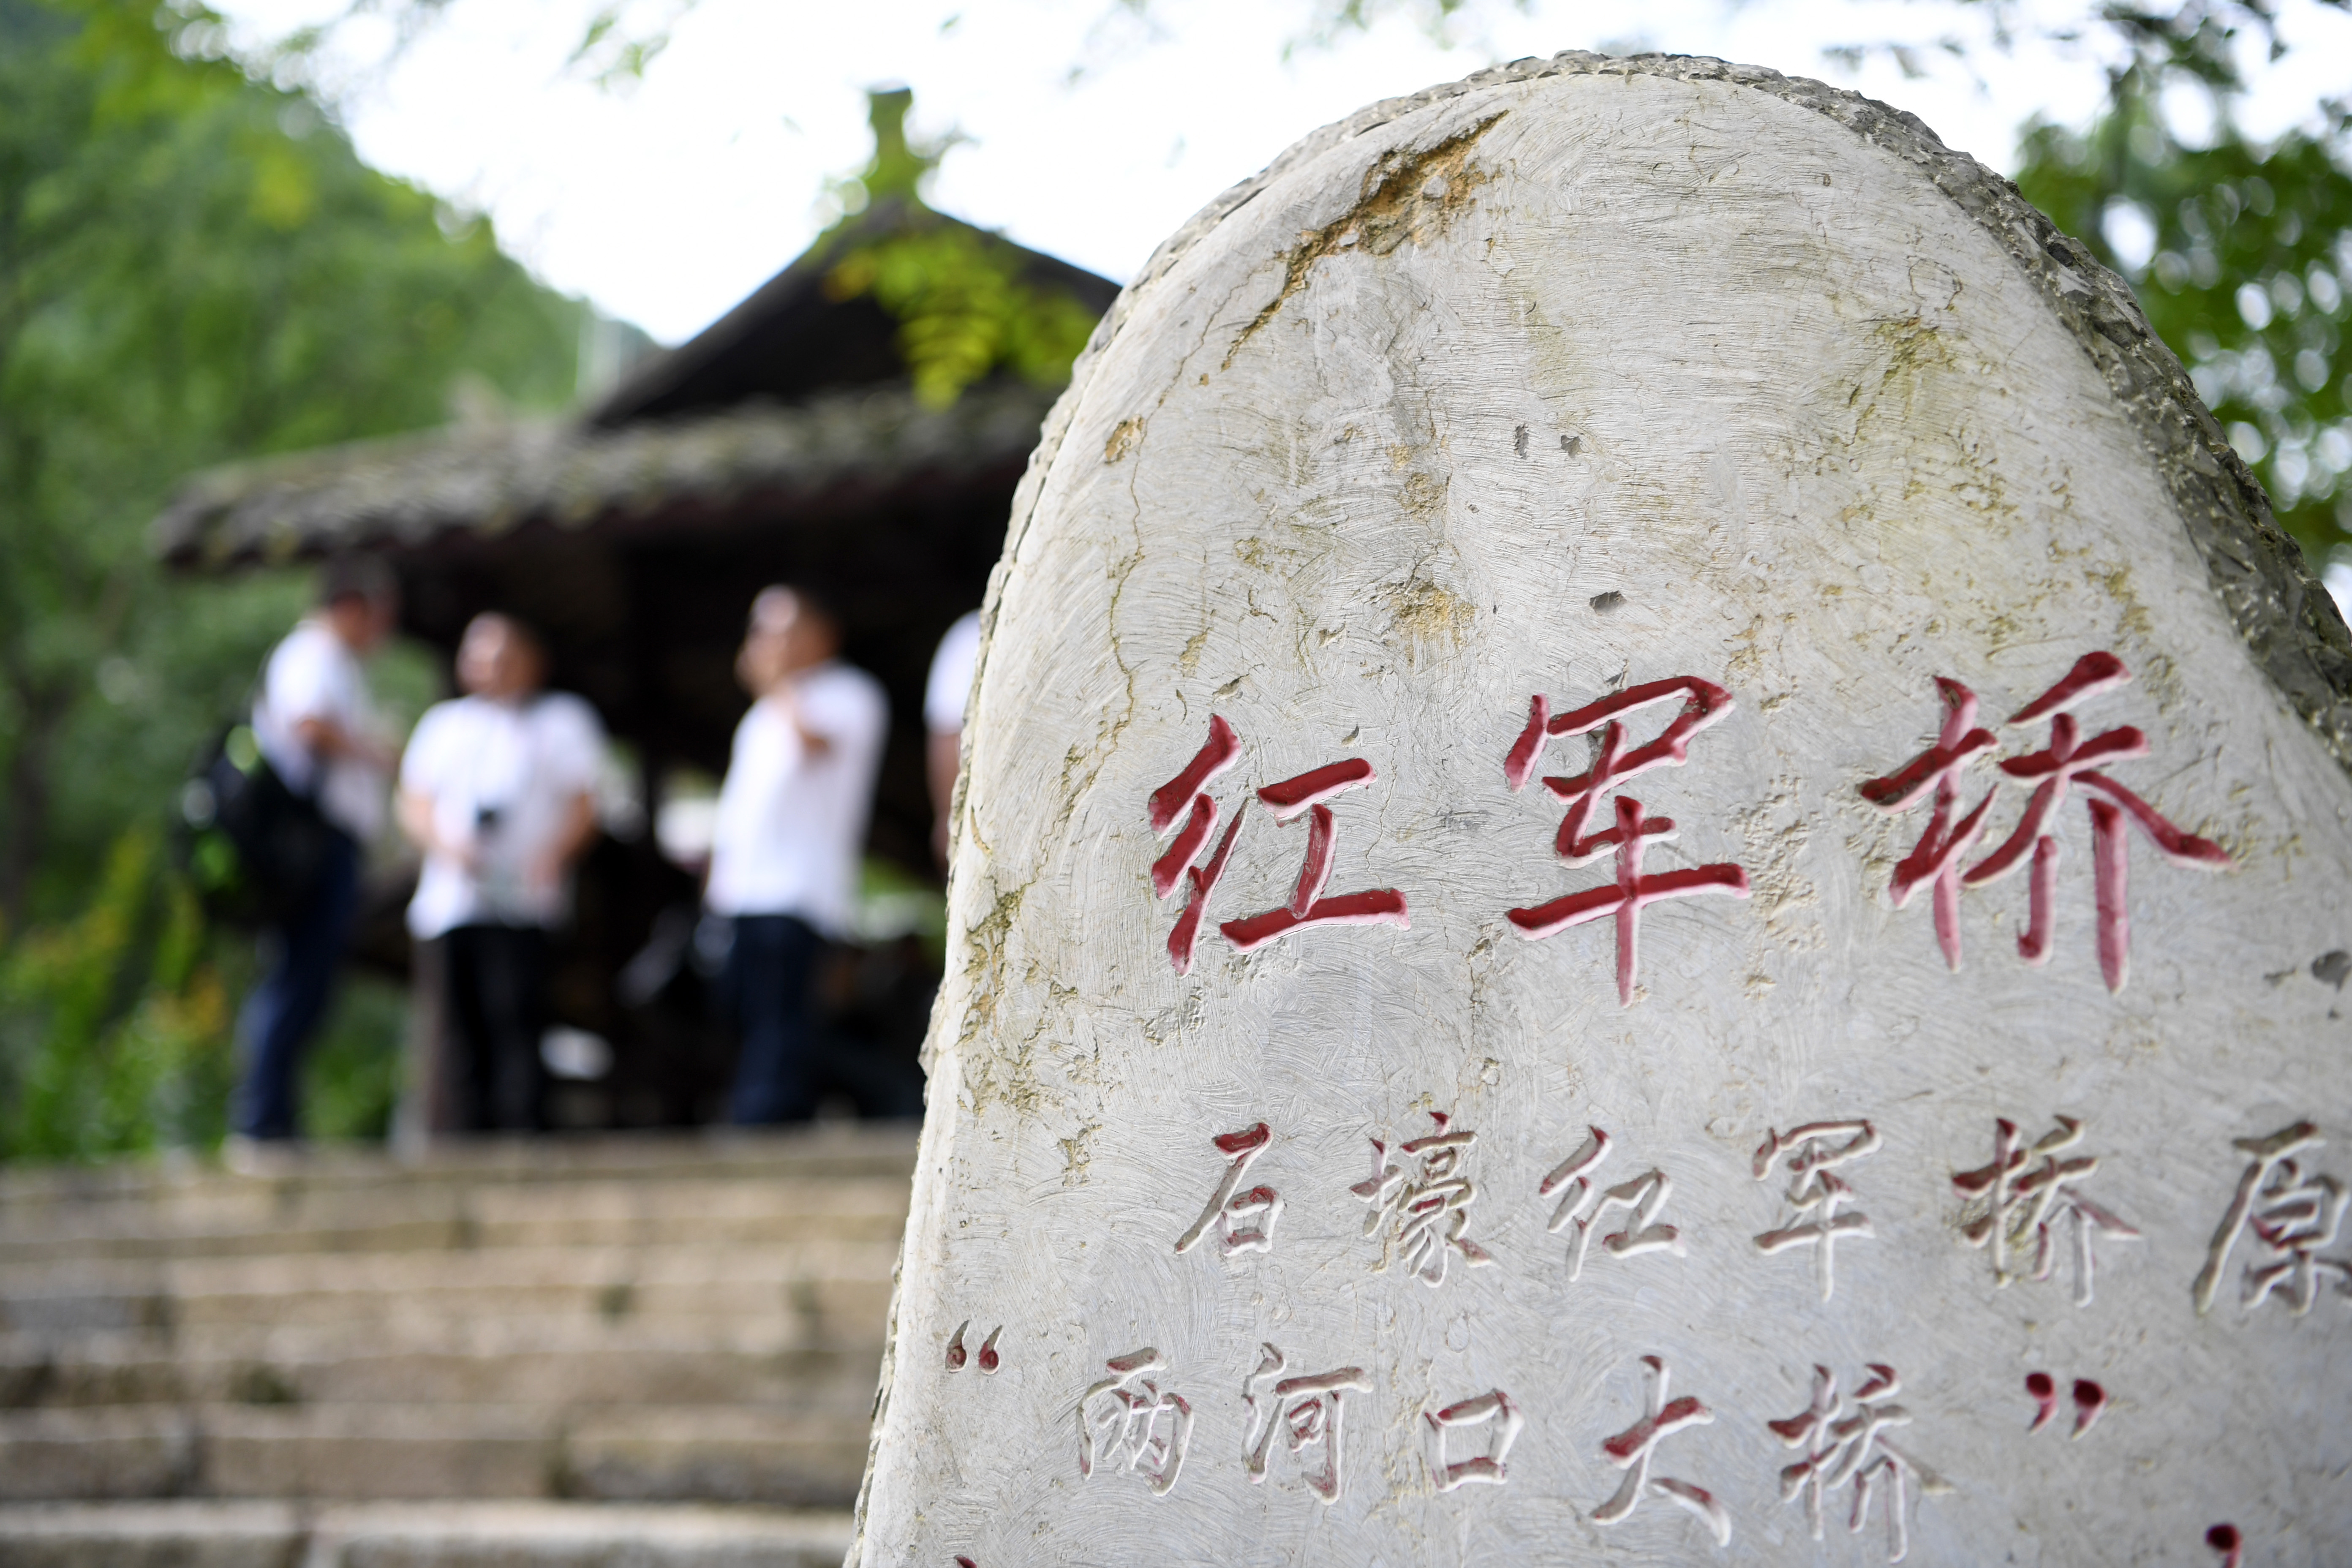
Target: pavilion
787	442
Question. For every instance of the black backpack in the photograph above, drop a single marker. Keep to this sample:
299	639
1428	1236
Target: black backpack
252	846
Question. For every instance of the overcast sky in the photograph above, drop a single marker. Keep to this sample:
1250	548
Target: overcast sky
1092	134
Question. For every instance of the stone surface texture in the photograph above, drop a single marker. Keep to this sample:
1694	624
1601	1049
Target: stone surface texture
1576	376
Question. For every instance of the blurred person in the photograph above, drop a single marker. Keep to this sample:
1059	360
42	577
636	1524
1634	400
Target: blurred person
944	696
315	725
498	789
791	831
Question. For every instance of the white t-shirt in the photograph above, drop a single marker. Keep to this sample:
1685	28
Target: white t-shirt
953	667
502	778
792	826
313	674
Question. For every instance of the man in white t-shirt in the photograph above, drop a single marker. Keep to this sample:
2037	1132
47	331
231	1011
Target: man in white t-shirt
944	696
498	789
317	730
790	836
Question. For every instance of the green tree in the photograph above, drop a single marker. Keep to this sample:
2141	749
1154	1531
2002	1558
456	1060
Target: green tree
963	305
2239	253
195	266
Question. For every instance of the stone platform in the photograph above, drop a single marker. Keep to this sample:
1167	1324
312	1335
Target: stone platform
320	1367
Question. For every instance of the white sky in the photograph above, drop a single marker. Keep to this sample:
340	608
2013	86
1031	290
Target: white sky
1092	134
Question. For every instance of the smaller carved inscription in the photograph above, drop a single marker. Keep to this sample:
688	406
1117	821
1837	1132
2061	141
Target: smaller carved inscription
1811	1154
2090	1402
1120	1423
1246	1217
1496	1423
2016	1205
1631	1451
1583	1203
1427	1205
1309	1412
2293	1213
1845	1445
958	1356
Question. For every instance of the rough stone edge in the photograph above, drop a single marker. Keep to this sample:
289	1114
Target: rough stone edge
2287	620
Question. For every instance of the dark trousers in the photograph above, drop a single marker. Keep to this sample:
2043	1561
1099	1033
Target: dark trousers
498	1010
283	1012
767	968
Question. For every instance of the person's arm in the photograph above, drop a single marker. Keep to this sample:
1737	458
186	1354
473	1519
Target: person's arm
815	743
327	740
572	837
415	810
572	744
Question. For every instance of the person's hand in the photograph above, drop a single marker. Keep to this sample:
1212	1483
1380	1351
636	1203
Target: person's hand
544	875
787	699
466	851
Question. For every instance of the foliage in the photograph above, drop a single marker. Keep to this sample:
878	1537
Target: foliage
350	1077
963	309
194	267
963	305
114	1024
2239	254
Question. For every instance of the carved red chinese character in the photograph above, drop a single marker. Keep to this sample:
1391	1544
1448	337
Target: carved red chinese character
1307	1411
1502	1423
1850	1449
2292	1212
1124	1429
1935	858
2018	1202
1631	1451
1248	1217
2071	760
1704	703
1307	905
1429	1206
1185	797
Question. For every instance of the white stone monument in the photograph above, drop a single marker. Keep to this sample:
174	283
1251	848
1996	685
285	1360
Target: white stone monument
1652	869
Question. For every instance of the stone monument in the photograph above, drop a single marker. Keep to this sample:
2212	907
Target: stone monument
1652	869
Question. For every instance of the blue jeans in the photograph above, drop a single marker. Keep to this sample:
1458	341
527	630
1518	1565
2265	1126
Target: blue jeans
284	1010
768	967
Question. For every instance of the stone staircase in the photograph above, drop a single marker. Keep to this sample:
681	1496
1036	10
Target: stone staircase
641	1351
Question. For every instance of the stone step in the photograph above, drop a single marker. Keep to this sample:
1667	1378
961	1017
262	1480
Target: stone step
557	1366
834	1288
278	1534
435	1216
874	1149
127	1451
403	1451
